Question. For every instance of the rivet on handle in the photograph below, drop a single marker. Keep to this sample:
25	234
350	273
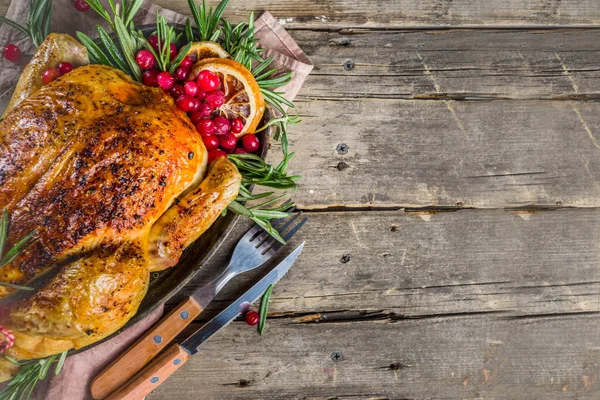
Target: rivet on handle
158	339
154	379
184	315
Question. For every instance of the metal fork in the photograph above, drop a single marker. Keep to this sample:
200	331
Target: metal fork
253	249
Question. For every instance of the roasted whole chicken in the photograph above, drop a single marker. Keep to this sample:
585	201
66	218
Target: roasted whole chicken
113	180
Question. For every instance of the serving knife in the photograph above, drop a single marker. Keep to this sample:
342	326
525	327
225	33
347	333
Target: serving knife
253	250
164	366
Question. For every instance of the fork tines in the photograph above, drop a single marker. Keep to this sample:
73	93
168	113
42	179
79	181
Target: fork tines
287	228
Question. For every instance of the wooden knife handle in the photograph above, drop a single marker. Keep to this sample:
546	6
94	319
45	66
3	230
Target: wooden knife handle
144	349
153	375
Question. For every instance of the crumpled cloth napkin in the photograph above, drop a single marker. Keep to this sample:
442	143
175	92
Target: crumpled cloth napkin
79	369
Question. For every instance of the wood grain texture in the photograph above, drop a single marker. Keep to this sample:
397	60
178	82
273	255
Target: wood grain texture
452	64
409	265
437	358
447	153
318	14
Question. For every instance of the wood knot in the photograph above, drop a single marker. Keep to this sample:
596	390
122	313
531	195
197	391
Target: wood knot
342	166
345	258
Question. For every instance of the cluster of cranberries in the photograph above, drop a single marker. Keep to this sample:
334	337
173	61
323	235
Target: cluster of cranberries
52	73
199	98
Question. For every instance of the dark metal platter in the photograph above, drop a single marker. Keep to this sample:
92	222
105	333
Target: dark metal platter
165	284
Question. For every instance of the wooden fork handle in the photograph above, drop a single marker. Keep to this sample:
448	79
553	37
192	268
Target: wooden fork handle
144	349
153	375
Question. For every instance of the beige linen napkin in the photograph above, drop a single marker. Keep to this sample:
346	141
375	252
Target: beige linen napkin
78	371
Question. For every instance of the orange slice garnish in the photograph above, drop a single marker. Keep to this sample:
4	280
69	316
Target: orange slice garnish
243	98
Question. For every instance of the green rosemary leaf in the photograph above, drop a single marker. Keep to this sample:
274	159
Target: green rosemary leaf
216	17
15	25
261	67
60	363
131	11
113	50
97	6
13	360
97	56
129	47
196	15
215	36
268	202
269	214
17	249
112	6
239	209
180	56
189	33
266	225
3	231
17	287
264	309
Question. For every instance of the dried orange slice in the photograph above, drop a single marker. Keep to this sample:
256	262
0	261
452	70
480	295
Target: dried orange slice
243	98
202	50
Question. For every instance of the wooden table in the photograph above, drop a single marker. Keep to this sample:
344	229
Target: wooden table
451	160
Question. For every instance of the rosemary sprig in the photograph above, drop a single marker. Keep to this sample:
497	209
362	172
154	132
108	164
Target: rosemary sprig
38	23
10	255
264	309
166	35
21	385
206	20
121	56
256	171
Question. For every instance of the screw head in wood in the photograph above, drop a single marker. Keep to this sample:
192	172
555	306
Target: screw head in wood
336	356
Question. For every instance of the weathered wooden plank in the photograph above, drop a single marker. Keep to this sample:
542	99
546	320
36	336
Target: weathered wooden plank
455	64
413	13
466	153
438	358
397	265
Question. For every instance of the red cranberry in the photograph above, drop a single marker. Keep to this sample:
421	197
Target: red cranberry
211	142
173	52
250	143
216	98
208	80
201	94
12	52
205	126
149	78
65	68
195	104
145	59
181	74
237	125
186	63
191	88
205	109
196	116
165	80
228	141
81	5
252	318
49	75
153	40
177	91
222	125
240	150
185	103
214	154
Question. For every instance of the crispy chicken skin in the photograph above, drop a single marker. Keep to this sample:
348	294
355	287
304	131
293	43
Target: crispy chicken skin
91	162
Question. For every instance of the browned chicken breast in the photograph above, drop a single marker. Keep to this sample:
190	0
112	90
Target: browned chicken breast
90	163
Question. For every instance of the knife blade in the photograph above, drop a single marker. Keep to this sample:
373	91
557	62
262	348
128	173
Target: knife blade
192	344
164	366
